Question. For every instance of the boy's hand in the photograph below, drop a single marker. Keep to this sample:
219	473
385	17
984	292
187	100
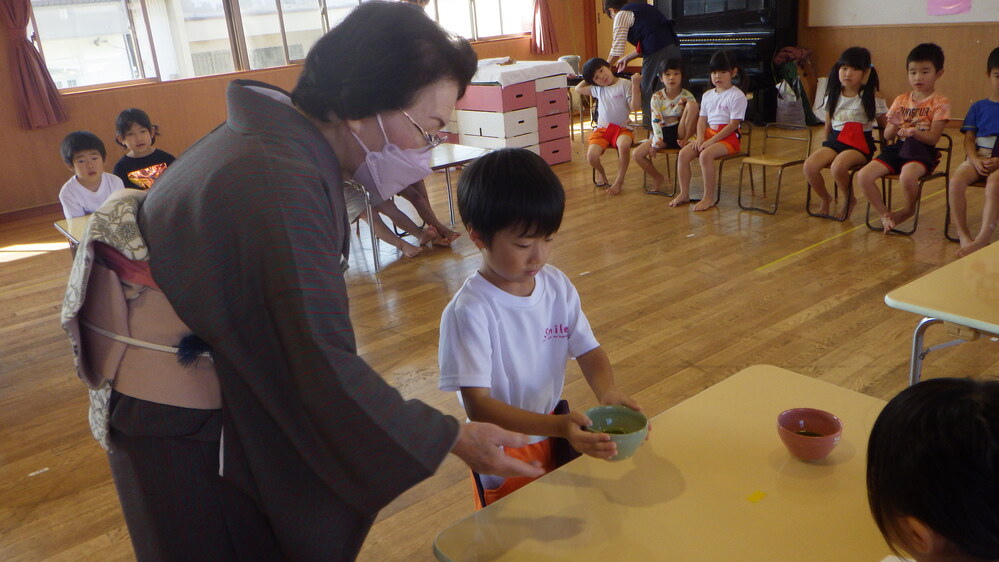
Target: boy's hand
636	79
480	446
989	165
906	132
597	445
895	119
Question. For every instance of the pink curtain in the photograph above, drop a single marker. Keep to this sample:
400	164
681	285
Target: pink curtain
38	100
543	31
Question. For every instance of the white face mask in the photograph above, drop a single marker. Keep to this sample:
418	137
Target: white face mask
391	169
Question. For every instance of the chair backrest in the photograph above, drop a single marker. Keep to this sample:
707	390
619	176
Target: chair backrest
793	137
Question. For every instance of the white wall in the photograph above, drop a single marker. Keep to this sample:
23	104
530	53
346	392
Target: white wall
895	12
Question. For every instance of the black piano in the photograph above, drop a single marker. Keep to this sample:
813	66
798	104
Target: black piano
752	29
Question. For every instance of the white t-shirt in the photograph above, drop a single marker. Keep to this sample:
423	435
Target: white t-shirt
721	109
517	347
615	103
851	110
78	200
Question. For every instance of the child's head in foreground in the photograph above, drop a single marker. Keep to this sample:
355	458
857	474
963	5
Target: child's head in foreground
598	72
933	470
84	153
511	203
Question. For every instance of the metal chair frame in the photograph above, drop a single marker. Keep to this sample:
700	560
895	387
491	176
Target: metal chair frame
775	131
943	171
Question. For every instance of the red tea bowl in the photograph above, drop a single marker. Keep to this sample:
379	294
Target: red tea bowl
809	434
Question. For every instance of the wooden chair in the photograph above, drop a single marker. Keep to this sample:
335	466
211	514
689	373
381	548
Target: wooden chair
980	183
946	147
745	144
793	140
666	152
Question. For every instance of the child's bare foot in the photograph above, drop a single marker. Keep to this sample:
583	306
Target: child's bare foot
601	180
888	222
427	235
615	189
974	246
824	205
704	205
657	186
679	201
446	237
408	250
846	209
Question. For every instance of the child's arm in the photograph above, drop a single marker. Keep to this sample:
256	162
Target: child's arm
583	88
636	91
702	126
971	149
724	132
599	375
926	137
482	407
828	127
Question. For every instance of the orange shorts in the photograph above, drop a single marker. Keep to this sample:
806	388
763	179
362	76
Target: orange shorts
605	138
540	451
731	142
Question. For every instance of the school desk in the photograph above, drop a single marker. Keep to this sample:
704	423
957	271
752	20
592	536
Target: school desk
962	295
73	228
713	482
448	156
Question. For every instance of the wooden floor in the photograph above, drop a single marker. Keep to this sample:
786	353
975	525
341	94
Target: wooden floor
679	300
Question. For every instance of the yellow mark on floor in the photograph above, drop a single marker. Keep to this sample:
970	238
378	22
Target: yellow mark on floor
817	244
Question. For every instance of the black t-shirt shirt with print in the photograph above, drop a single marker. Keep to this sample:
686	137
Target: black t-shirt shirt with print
140	173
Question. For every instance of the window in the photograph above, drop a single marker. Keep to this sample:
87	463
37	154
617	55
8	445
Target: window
93	42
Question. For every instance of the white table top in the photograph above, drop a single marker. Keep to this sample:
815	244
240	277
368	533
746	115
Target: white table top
963	292
448	155
714	482
74	228
518	72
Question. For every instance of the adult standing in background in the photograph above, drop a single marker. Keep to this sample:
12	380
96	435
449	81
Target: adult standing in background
247	236
652	34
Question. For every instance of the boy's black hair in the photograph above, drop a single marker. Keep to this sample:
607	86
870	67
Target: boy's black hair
859	58
671	64
511	187
133	116
930	52
379	59
78	141
993	62
725	60
591	67
934	455
615	4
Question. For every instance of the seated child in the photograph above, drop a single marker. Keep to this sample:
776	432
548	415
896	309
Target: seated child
142	164
508	333
981	128
722	110
917	120
933	470
354	197
852	109
90	185
617	100
674	120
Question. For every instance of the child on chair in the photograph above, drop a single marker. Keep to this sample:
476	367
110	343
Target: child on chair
617	100
143	163
852	109
506	336
674	120
981	128
933	471
916	119
90	186
722	111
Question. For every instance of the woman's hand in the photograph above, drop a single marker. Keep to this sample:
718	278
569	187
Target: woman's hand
480	445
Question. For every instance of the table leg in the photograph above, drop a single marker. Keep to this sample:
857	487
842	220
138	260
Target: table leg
371	229
918	353
450	203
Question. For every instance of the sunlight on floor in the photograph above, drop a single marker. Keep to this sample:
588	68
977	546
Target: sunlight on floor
21	251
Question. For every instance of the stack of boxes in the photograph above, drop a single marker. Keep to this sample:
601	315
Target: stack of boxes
520	105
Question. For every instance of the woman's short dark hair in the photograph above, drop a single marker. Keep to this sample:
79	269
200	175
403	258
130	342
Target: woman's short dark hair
511	187
378	59
934	455
591	67
78	141
614	5
133	116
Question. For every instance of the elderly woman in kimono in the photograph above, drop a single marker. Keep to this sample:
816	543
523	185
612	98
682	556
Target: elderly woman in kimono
247	234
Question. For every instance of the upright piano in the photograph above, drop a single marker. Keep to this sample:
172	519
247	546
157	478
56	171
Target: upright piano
753	30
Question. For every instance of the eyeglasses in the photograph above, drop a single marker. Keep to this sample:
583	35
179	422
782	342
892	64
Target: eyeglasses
432	140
